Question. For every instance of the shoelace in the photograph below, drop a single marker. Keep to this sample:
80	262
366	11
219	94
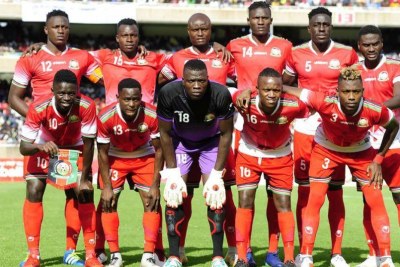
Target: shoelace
152	260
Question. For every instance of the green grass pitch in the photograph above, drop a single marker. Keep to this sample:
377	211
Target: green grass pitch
198	245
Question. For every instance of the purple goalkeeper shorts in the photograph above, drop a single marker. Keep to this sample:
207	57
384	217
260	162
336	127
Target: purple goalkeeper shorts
206	159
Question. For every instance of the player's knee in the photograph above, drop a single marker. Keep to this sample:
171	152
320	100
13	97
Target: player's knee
282	203
216	218
35	190
173	218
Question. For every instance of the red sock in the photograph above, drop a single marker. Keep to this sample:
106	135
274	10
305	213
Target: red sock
230	219
369	231
87	215
336	216
286	227
244	220
273	225
100	238
110	222
398	213
72	222
311	216
151	225
187	209
159	243
251	227
33	217
302	199
379	218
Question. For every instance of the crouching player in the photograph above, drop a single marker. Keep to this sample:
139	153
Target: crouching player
342	138
264	147
129	148
67	121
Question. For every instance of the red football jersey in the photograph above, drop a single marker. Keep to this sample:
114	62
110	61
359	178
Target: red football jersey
128	139
44	123
251	58
342	133
378	85
39	69
218	70
259	135
320	71
116	67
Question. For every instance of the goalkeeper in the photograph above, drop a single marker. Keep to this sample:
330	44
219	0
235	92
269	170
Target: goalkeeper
195	121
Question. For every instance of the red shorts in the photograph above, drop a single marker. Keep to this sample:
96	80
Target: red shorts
391	169
36	166
137	171
194	175
325	161
302	147
278	173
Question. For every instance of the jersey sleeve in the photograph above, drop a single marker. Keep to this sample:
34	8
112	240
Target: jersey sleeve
30	129
225	105
354	57
290	66
89	121
303	111
396	74
386	116
22	73
103	136
164	104
312	99
168	70
93	71
161	61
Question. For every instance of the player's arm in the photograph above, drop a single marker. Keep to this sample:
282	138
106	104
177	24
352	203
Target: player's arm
162	80
394	102
166	143
220	49
16	98
88	152
107	194
287	78
33	49
295	91
154	192
225	141
374	169
27	148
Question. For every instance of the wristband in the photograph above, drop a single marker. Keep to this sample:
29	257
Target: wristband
378	159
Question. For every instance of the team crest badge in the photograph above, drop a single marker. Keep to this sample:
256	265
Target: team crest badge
282	120
73	118
209	117
275	52
383	76
334	64
74	64
142	61
363	122
142	127
216	63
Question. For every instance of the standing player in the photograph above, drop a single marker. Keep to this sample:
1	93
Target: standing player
129	148
62	121
381	82
196	121
261	150
39	70
199	31
317	66
343	138
253	53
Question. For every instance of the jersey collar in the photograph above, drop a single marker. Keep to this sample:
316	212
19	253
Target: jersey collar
327	50
278	105
210	51
360	105
255	43
381	62
120	113
45	49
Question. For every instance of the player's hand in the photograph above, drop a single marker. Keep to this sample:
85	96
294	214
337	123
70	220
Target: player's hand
153	197
108	199
32	49
142	51
214	190
243	100
222	52
175	187
49	148
374	171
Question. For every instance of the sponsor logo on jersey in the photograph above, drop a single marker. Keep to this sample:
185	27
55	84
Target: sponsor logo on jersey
74	64
363	122
334	64
73	118
142	127
216	63
275	52
209	117
383	76
282	120
142	61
